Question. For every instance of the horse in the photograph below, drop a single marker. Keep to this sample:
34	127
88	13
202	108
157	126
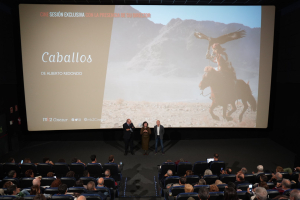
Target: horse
224	91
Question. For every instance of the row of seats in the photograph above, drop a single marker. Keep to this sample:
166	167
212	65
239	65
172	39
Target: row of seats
46	181
61	169
57	197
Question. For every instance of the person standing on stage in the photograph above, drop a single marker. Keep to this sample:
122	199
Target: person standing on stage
159	136
145	132
128	129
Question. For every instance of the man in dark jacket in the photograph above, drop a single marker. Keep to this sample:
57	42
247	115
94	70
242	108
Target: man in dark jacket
128	129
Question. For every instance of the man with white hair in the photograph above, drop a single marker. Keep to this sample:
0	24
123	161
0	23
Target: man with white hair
283	186
260	169
244	170
81	198
276	178
261	193
295	194
168	174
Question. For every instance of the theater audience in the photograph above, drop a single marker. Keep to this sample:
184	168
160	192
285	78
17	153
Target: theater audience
29	173
240	178
37	182
281	196
203	193
230	194
213	188
227	171
260	169
188	188
50	174
56	183
62	189
35	190
79	183
48	161
201	182
91	189
285	185
260	193
264	185
13	190
276	178
11	174
7	184
100	182
75	160
168	174
208	172
295	194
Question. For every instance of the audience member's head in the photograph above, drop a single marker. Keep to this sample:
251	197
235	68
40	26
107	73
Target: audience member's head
169	161
12	174
278	176
228	171
35	190
93	158
182	180
218	182
62	189
231	185
216	157
29	173
70	174
90	186
279	169
263	178
169	173
101	182
202	182
286	184
50	174
86	173
39	197
188	188
111	158
81	198
13	190
230	194
244	170
264	185
260	168
36	181
7	184
213	188
261	193
27	160
79	183
240	177
56	183
74	160
61	160
297	169
189	172
46	160
203	193
208	172
295	194
281	196
11	160
107	173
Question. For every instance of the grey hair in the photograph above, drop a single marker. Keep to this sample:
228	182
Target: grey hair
278	176
244	170
261	193
286	183
202	182
295	194
169	173
107	172
208	172
203	193
260	168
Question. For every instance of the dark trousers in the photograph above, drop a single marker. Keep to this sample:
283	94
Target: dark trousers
129	142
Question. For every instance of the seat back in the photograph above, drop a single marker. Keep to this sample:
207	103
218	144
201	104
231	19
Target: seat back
62	197
242	195
192	179
76	189
109	183
185	196
51	190
92	196
61	169
29	197
197	187
272	193
114	170
295	176
216	166
243	186
103	189
216	195
182	167
27	166
165	167
210	179
44	168
14	180
257	177
222	187
95	169
271	185
8	197
69	181
47	181
7	167
78	168
175	190
285	175
226	178
85	180
199	168
171	179
26	182
269	175
250	178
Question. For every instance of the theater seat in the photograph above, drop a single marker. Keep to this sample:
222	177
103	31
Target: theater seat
78	168
242	195
26	182
216	195
271	185
269	175
192	179
295	176
92	196
199	168
85	180
47	181
210	179
171	179
104	190
7	167
272	193
77	189
182	167
175	190
29	197
185	196
165	167
27	166
109	182
250	178
61	169
62	197
226	178
51	190
243	186
8	197
222	187
14	180
44	168
95	170
285	175
69	181
197	187
114	170
215	167
257	177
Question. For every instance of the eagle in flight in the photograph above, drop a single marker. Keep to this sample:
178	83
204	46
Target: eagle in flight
222	39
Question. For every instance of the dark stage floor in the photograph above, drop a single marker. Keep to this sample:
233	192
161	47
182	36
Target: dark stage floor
141	170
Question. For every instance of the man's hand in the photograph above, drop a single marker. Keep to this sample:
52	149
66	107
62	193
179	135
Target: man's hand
278	185
128	129
248	190
166	174
50	162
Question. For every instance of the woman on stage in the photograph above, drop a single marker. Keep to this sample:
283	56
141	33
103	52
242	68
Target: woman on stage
145	132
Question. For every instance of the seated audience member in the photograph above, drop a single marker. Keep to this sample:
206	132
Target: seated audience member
201	182
281	196
107	173
11	160
227	171
189	173
180	160
13	190
86	173
218	182
230	194
75	160
79	183
260	169
50	174
37	181
295	194
11	174
56	183
168	174
62	189
203	193
70	174
39	197
29	173
279	169
93	158
182	181
264	185
213	188
285	185
231	185
276	178
35	190
81	198
262	178
48	161
100	182
91	189
240	178
244	170
188	188
27	160
111	159
7	184
61	160
208	172
260	193
216	157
